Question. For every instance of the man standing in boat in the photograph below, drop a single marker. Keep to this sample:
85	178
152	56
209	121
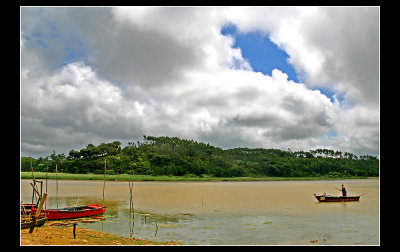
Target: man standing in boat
344	193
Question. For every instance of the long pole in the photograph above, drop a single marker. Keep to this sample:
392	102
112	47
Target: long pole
131	218
33	175
104	184
37	214
47	171
55	159
34	181
57	184
131	210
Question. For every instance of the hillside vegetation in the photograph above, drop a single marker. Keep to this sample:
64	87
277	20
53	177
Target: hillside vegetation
179	157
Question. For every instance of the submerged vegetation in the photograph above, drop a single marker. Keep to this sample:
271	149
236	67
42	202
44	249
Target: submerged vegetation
172	156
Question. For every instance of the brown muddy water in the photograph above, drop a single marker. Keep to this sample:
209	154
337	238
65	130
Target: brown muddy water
228	213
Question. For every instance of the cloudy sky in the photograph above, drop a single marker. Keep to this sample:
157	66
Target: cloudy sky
272	77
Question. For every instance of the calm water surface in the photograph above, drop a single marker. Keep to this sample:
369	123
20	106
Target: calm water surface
228	213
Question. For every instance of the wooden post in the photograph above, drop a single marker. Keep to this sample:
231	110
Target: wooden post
33	224
55	160
156	229
57	184
74	230
131	214
131	199
41	189
41	205
37	214
33	192
131	210
33	177
104	184
47	170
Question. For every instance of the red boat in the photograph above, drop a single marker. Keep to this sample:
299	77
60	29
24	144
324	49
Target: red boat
329	198
71	212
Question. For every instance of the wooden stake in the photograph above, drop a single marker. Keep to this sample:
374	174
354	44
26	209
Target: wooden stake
33	192
57	184
33	177
104	184
36	216
47	171
39	209
74	229
41	189
133	211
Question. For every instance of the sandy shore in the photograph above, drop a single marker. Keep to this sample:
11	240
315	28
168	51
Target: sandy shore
55	235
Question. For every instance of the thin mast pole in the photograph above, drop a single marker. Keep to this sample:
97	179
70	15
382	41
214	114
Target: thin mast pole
57	184
47	170
104	184
55	160
34	181
33	175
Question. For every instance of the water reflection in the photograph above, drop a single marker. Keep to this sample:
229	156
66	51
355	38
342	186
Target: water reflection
229	212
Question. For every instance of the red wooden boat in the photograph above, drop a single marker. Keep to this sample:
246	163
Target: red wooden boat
329	198
71	212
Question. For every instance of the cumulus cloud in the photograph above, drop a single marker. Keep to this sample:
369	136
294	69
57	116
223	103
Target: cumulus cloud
336	47
94	75
75	102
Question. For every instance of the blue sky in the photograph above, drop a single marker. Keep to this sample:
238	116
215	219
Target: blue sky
59	41
262	54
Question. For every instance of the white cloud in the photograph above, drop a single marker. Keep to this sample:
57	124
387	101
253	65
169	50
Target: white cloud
169	71
75	102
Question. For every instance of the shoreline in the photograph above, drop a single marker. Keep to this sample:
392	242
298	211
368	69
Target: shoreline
127	177
56	235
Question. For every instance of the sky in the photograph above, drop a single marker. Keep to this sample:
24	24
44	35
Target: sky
302	78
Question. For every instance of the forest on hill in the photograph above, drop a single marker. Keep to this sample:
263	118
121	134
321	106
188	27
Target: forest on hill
180	157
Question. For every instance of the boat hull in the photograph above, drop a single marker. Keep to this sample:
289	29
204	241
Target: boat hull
71	212
26	222
327	198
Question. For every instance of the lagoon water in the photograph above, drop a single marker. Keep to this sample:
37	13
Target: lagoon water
228	213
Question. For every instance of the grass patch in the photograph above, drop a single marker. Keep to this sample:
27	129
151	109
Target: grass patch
127	177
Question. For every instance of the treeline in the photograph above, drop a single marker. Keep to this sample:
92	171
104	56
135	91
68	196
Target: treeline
178	157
